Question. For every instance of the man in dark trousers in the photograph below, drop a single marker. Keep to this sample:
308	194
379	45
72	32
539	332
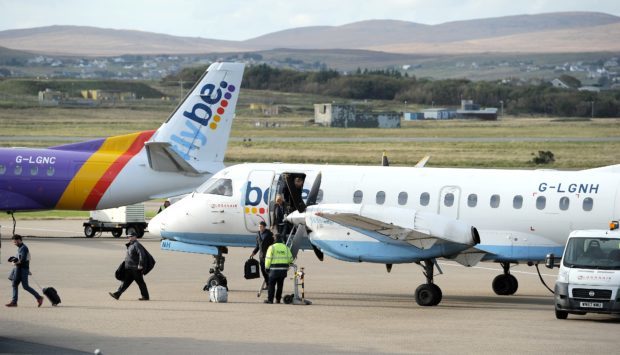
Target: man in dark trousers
135	260
264	239
277	261
22	270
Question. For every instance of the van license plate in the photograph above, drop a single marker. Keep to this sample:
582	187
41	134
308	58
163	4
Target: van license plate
591	304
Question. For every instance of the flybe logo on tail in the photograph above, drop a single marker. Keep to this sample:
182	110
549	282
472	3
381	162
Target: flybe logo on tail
202	113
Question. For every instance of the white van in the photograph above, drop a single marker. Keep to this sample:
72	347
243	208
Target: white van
589	276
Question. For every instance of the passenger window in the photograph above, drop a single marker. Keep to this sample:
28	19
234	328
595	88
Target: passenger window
448	199
588	203
358	196
494	201
2	169
541	202
50	170
402	198
319	196
517	202
18	170
222	187
564	203
34	170
425	199
380	198
472	200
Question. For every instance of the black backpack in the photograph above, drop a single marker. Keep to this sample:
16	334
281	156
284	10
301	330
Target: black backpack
252	269
149	263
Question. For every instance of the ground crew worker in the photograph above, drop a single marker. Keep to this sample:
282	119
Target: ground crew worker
277	261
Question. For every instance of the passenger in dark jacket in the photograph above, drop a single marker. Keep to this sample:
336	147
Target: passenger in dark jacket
22	269
135	260
264	239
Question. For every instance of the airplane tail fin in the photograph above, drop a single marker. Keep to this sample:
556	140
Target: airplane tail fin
194	138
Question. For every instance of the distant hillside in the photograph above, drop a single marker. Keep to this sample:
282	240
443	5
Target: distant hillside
367	34
73	87
92	41
542	33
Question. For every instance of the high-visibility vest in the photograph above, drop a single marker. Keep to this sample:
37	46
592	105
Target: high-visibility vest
279	257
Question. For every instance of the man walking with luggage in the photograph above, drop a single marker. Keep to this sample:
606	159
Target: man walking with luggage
135	262
22	270
264	239
277	261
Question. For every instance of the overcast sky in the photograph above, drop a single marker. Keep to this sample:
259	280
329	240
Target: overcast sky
239	20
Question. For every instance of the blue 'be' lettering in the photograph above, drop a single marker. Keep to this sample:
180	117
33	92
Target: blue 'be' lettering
200	112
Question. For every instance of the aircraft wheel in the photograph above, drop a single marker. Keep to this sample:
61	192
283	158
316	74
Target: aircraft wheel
428	295
561	314
514	284
438	294
502	285
288	299
89	231
216	280
117	233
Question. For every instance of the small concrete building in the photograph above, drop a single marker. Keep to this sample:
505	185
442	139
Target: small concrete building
50	97
438	113
336	115
108	95
413	116
470	110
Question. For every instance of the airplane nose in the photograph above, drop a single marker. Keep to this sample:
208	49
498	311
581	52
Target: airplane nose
156	225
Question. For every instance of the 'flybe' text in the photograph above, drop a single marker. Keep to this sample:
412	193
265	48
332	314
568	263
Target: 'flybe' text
254	195
572	188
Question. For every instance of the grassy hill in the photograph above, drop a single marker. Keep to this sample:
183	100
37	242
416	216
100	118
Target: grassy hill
73	87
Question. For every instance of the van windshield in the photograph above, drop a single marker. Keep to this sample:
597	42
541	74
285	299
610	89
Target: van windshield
592	253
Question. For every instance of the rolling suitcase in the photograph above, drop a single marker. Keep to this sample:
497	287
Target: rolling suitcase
52	295
252	269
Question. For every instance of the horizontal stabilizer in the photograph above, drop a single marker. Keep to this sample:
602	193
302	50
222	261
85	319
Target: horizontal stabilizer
162	157
172	245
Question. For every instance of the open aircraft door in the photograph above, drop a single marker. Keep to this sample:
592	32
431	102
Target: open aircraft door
257	198
449	199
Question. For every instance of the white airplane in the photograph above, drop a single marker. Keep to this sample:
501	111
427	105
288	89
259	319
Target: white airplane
116	171
392	215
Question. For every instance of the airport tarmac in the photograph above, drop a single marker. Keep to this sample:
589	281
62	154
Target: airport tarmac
357	308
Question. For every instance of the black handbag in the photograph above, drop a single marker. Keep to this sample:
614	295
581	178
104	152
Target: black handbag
120	272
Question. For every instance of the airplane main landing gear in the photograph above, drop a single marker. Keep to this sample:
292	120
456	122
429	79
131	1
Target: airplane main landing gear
428	294
217	279
505	284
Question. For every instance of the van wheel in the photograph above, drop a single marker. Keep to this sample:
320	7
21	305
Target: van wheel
89	231
117	233
561	314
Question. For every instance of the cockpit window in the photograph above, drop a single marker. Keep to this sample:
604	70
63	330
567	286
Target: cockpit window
221	187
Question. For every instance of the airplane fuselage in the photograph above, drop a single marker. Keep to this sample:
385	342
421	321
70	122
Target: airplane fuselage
520	214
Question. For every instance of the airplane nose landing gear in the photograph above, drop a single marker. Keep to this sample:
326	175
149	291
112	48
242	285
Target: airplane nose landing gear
217	279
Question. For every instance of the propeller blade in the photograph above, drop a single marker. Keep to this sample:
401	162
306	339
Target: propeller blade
314	192
384	160
318	252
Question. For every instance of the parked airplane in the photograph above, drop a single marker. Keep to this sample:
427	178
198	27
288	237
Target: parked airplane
121	170
391	215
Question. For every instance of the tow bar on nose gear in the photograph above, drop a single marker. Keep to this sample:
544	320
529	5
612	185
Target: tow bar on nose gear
298	280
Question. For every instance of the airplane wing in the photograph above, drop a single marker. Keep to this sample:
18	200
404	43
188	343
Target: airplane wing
372	227
420	229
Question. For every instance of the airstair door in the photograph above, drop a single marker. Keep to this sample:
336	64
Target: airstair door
256	204
449	198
